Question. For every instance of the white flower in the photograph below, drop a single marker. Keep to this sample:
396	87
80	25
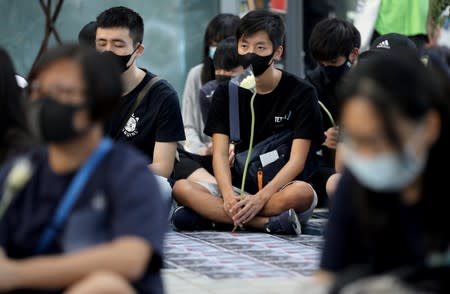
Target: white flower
248	83
19	175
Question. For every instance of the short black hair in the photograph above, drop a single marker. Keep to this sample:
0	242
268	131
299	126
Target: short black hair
11	113
226	56
333	37
219	27
263	20
123	17
100	73
86	36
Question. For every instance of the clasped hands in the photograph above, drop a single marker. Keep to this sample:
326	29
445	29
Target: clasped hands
241	211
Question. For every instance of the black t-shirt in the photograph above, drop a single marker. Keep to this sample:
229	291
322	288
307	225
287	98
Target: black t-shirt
116	201
291	105
388	242
15	141
157	118
326	92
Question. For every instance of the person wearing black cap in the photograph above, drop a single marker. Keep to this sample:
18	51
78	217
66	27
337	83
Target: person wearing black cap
391	42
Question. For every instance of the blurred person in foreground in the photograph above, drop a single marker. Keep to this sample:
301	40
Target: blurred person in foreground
72	212
389	214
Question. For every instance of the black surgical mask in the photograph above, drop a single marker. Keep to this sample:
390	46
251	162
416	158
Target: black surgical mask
122	60
259	63
52	121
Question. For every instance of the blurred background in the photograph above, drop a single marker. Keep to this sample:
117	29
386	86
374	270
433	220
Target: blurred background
173	28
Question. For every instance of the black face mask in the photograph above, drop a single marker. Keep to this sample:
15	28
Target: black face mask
121	60
259	63
52	121
222	79
334	73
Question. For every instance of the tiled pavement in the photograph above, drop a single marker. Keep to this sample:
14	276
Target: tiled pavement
243	262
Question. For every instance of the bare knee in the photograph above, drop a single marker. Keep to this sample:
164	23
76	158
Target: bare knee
186	192
181	189
299	195
332	183
102	282
203	175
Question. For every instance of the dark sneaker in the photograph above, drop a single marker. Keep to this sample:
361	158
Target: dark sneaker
185	219
286	223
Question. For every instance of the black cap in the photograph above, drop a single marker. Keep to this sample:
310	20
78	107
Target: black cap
394	41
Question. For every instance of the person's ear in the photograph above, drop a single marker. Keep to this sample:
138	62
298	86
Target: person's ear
278	53
140	49
137	52
354	54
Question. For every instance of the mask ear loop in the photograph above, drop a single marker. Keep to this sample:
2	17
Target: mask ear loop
134	51
272	59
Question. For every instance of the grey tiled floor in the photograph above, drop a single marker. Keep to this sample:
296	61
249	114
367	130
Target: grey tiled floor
245	262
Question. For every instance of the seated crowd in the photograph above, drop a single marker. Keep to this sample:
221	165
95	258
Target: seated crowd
99	159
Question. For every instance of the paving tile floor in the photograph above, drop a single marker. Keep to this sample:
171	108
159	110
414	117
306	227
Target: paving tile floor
243	262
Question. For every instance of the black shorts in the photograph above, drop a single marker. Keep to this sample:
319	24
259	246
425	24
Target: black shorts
190	162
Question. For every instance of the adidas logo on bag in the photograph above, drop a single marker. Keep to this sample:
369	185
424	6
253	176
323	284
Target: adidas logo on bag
384	44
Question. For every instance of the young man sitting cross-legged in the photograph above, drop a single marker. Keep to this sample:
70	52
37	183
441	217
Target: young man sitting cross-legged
283	102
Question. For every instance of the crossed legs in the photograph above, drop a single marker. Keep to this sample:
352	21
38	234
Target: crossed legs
297	195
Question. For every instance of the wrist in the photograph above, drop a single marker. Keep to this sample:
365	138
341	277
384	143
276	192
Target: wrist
14	274
264	195
228	196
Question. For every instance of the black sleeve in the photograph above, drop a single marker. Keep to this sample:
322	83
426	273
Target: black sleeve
342	240
218	117
170	123
309	119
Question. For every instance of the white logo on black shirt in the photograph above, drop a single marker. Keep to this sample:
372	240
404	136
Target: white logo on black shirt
130	128
287	116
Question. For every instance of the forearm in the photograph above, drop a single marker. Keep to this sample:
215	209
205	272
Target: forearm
339	160
289	171
294	166
223	174
127	256
164	158
163	169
